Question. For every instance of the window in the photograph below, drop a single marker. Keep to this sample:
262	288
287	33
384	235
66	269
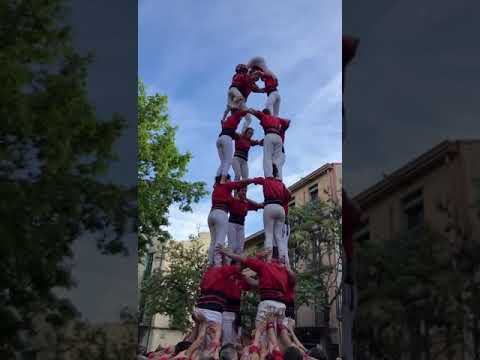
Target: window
313	191
412	205
148	265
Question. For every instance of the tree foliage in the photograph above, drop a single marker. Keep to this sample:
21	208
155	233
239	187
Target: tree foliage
172	291
411	297
53	149
161	168
314	250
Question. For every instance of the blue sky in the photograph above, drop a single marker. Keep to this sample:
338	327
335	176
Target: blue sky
188	51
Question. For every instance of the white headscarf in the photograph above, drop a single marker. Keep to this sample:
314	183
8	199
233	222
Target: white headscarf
260	62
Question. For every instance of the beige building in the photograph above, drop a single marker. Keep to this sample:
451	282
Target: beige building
448	175
157	331
325	183
408	197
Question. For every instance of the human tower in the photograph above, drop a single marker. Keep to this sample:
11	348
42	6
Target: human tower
217	310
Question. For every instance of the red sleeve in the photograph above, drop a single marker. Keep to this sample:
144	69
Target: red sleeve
277	355
253	207
238	115
259	180
232	185
284	123
258	114
229	270
254	264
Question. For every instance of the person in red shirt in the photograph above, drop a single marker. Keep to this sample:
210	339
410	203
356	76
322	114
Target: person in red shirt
237	284
239	208
243	83
271	84
243	142
225	142
218	216
272	284
276	196
272	142
212	299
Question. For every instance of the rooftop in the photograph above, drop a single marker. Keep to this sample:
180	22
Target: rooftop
414	169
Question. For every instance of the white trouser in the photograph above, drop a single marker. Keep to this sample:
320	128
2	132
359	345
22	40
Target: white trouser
235	100
272	152
240	168
218	225
273	103
225	153
236	237
210	315
280	165
283	245
273	221
270	307
229	330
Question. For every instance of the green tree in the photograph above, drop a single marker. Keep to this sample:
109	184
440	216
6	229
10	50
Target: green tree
53	149
410	299
161	168
172	291
314	250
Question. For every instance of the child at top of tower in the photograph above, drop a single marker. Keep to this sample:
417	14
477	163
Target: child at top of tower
258	64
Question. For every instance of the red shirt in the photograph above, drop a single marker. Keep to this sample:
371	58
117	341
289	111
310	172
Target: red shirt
245	83
239	209
277	355
231	123
275	191
222	194
242	146
273	279
233	292
213	286
271	83
270	123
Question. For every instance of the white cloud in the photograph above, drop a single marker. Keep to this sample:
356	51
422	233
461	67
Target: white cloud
184	224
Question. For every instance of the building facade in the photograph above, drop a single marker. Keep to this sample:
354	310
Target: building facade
325	183
440	189
448	175
156	331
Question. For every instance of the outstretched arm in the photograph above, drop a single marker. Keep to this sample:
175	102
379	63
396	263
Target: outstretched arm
192	352
252	205
257	114
296	342
233	185
228	252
